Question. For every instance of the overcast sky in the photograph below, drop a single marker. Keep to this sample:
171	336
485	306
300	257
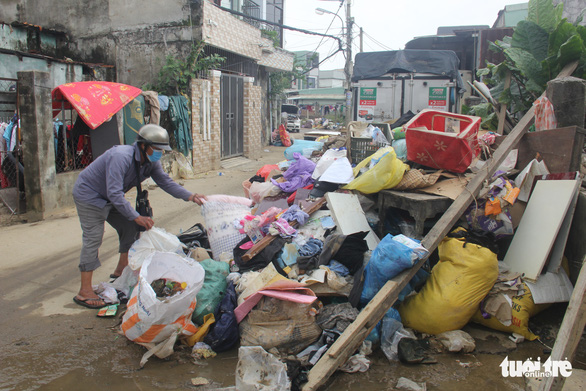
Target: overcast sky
387	24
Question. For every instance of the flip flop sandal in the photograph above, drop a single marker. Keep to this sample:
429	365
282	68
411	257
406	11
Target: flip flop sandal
113	277
84	303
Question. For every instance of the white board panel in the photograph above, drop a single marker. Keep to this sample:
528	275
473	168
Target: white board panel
539	227
349	216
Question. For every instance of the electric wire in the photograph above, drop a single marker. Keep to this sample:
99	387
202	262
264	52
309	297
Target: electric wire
330	25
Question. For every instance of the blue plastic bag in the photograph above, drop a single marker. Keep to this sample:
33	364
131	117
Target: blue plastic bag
375	334
388	259
304	147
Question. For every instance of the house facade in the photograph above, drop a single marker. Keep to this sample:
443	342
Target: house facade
128	41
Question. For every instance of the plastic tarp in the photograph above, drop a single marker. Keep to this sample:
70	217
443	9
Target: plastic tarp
372	65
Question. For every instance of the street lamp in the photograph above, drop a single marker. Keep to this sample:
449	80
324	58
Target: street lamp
321	11
348	65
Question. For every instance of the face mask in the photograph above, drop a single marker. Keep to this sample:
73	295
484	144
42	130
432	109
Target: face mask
156	156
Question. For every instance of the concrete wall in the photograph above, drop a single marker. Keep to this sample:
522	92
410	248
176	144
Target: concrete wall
572	9
133	35
59	73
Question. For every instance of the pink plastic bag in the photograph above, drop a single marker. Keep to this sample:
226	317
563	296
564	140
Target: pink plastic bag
544	114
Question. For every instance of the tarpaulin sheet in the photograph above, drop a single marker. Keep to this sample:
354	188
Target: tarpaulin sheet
372	65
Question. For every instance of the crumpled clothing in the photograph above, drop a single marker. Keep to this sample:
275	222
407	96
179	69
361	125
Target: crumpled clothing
312	247
281	227
544	114
298	175
352	246
336	317
163	102
338	268
295	213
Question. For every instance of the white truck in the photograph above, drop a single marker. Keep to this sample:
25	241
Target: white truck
387	85
293	120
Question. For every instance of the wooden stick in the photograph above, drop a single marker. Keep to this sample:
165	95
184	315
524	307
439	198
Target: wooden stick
502	115
570	332
353	336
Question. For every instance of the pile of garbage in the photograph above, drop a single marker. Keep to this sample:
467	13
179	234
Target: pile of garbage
284	270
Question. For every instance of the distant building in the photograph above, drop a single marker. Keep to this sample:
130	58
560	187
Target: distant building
331	79
511	15
311	61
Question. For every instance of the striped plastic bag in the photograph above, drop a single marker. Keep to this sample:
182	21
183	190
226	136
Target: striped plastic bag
150	320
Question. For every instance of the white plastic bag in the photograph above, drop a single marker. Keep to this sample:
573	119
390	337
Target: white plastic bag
150	320
379	138
326	160
367	132
258	370
155	239
260	190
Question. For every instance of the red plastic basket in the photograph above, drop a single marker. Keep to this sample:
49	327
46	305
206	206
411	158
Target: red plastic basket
442	140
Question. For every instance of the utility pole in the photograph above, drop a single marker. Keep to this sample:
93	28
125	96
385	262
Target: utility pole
361	40
348	67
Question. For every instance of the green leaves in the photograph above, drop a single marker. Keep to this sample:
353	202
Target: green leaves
175	76
529	36
528	66
538	50
544	14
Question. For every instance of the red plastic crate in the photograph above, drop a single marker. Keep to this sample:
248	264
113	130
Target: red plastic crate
442	140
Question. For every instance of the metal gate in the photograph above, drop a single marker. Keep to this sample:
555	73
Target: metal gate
12	193
232	104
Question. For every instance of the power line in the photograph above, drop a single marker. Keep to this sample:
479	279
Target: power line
377	42
331	22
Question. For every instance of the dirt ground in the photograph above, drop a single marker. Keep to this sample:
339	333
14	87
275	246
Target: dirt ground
48	342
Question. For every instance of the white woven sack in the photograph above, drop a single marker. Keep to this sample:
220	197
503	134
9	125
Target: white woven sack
221	219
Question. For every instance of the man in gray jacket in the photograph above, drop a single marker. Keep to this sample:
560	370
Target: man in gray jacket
99	197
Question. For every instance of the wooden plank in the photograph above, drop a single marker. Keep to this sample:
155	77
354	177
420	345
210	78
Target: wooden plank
570	332
354	334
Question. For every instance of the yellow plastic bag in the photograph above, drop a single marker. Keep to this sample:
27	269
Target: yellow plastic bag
523	308
386	174
451	295
199	335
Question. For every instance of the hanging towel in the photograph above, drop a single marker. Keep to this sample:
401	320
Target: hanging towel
179	115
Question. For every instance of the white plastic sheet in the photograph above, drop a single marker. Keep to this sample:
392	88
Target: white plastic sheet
258	370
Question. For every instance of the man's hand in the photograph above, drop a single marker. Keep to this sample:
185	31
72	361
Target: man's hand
145	222
197	198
